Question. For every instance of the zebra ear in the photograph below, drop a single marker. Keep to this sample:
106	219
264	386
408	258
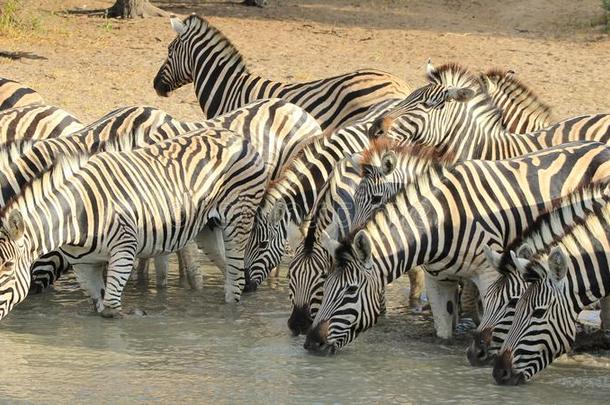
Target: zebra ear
388	163
328	243
558	263
493	257
430	70
461	94
520	263
525	252
295	234
177	25
355	160
362	246
277	213
15	225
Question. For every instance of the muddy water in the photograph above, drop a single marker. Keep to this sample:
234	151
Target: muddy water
192	348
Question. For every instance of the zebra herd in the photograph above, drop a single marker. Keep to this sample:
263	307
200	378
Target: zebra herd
463	181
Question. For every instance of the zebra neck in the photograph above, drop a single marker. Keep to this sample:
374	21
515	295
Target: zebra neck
587	284
223	83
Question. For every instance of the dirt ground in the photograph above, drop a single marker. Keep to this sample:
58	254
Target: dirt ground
94	65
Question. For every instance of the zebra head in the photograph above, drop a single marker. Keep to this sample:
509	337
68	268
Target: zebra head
544	325
176	71
498	307
421	117
375	188
14	262
267	241
353	298
307	272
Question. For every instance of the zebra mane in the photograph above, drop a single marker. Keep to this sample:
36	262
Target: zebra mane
203	25
418	151
497	77
49	178
553	217
11	151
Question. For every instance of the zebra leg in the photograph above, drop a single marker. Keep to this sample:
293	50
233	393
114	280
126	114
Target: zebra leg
46	269
443	301
90	277
416	288
470	301
122	257
210	240
188	263
605	313
142	271
161	263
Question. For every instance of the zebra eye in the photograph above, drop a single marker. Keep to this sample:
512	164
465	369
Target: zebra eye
263	244
8	265
351	289
539	312
512	302
376	199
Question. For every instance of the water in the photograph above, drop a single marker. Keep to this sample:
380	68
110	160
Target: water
193	348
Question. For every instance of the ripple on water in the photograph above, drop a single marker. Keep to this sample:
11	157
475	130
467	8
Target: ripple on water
192	347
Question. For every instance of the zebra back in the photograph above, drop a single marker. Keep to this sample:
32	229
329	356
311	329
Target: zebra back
36	122
14	94
201	53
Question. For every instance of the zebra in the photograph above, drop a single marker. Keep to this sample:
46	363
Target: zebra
289	200
563	279
36	122
14	94
202	54
454	113
333	217
504	292
117	206
274	127
440	221
522	110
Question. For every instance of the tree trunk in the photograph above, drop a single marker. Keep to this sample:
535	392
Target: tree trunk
134	8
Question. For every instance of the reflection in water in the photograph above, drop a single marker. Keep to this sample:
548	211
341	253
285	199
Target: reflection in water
193	347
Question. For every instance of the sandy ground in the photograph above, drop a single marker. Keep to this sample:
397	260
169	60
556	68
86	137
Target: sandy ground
94	65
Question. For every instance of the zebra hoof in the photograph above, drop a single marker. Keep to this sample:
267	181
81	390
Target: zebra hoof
113	313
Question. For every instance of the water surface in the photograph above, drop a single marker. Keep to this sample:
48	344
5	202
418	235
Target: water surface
191	347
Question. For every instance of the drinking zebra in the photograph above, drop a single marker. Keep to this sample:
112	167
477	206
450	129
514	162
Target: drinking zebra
118	206
14	94
562	279
202	54
503	294
442	221
335	214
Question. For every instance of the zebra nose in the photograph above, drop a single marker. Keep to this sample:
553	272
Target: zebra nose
160	86
316	338
503	371
300	320
478	351
477	354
